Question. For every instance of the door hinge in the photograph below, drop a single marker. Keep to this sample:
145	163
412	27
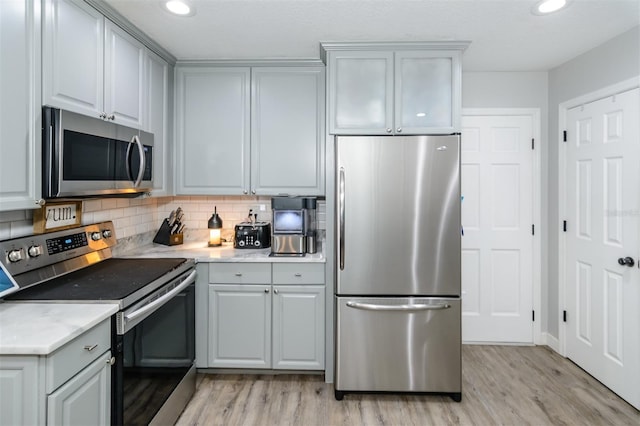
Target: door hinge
533	316
533	230
564	136
564	226
564	316
533	143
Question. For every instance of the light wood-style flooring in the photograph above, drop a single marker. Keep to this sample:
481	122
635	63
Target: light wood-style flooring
502	385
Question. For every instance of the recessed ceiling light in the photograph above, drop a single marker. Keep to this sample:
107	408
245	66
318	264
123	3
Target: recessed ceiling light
544	7
180	7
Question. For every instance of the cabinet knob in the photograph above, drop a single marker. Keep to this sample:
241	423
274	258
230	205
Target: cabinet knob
253	192
103	115
399	130
111	360
388	129
111	117
266	290
245	192
275	290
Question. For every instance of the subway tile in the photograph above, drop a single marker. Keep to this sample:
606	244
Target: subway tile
87	218
5	231
21	228
13	216
109	203
91	206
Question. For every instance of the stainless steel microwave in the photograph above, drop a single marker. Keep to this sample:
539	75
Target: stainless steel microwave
85	157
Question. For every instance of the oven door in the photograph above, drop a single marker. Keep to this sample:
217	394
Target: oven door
155	374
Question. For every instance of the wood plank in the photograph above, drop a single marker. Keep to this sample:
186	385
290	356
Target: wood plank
501	385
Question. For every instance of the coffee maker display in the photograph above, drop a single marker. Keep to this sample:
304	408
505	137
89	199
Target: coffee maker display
293	226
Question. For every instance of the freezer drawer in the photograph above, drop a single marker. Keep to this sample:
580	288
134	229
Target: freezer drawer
398	345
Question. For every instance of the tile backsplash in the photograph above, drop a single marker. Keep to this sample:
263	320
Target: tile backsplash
143	216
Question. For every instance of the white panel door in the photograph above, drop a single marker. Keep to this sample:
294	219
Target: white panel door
603	205
497	218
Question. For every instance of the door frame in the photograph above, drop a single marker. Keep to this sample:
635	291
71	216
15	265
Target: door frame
563	108
534	113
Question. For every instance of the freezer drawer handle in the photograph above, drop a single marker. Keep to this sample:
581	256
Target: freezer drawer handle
400	308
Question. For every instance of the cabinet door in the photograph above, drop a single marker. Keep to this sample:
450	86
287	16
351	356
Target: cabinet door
73	59
157	121
212	131
19	391
240	326
361	93
298	327
20	103
123	77
85	399
287	131
427	92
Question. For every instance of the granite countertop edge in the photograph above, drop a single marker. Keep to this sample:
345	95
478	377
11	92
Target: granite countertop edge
226	253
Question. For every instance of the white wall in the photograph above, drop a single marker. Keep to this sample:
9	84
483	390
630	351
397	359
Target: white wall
612	62
517	90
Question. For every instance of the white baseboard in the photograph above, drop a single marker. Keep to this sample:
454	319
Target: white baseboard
551	341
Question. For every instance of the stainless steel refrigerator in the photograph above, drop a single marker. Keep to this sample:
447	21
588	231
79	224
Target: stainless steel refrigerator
398	265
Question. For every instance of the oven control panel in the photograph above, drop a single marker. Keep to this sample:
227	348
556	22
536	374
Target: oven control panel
24	254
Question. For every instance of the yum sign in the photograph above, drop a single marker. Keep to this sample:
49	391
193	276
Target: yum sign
57	216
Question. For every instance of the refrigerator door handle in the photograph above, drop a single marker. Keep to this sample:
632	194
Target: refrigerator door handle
341	216
399	308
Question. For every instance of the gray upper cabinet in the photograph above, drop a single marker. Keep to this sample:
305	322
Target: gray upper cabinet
242	130
20	125
90	65
402	88
212	130
287	131
157	121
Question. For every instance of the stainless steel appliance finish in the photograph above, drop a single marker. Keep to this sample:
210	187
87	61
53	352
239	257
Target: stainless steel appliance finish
398	264
85	156
294	226
153	333
398	344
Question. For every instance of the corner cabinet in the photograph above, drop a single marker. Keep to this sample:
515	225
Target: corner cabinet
90	65
388	89
20	122
250	130
266	316
71	386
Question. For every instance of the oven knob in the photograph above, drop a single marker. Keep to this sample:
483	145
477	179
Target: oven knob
95	236
34	251
15	255
241	243
257	243
106	233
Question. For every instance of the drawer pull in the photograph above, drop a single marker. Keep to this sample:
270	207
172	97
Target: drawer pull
297	274
238	274
90	347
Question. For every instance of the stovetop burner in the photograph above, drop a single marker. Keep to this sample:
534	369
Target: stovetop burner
111	279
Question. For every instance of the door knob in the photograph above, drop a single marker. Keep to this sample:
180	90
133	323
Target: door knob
626	261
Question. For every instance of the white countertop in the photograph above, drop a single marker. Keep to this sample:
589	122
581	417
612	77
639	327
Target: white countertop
226	253
41	328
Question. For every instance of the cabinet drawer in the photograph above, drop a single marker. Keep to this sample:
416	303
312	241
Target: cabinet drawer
77	354
298	273
240	273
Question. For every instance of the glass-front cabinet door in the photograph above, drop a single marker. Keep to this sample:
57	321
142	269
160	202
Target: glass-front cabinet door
361	92
427	92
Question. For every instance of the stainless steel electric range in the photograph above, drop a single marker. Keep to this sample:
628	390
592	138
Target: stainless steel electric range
153	333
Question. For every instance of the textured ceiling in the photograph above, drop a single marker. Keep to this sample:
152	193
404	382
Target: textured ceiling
504	34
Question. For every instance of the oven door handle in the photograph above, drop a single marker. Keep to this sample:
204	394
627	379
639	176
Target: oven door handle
161	300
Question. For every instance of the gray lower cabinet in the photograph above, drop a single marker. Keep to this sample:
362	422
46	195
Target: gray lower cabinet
266	316
71	386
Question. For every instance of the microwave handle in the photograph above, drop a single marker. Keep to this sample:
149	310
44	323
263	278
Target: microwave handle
136	139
